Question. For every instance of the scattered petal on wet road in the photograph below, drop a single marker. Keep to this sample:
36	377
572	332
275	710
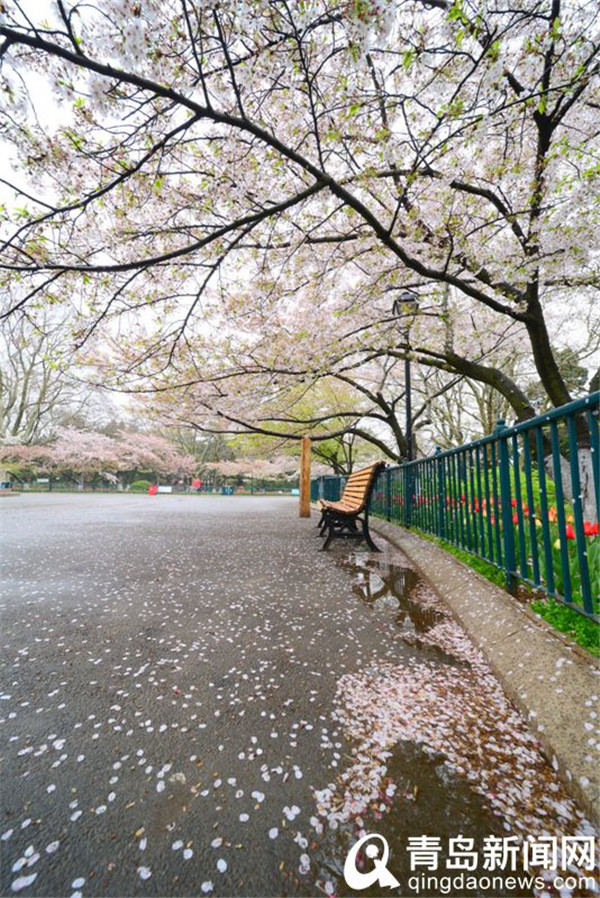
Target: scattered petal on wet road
190	683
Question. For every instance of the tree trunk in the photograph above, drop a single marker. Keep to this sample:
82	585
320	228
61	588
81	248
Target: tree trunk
586	477
543	356
565	475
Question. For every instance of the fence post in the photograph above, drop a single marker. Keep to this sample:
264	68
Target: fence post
388	494
441	491
508	533
408	483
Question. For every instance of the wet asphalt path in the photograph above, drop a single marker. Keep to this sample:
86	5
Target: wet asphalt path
168	673
194	700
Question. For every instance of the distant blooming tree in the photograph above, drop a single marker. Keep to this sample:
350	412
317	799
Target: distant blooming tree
24	461
85	454
88	456
150	452
277	468
38	391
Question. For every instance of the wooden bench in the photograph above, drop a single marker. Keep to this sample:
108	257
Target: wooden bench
341	519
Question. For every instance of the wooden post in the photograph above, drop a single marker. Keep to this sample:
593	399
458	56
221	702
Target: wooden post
305	478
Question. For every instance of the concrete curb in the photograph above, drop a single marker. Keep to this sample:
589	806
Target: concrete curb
554	683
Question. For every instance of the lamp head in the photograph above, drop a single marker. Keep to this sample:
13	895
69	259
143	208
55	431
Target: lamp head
406	302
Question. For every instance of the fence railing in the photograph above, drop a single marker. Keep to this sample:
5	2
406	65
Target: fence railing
525	499
328	487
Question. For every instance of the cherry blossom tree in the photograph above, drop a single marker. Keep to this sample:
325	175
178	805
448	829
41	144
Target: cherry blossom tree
39	390
25	462
89	455
282	382
151	452
279	467
248	156
84	454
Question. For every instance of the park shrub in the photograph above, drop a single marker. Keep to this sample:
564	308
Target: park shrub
140	486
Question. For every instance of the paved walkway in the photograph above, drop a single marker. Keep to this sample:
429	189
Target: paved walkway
194	700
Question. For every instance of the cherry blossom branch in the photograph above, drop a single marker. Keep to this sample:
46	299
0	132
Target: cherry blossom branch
322	179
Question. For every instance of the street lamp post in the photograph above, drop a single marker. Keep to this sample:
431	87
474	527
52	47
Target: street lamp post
406	304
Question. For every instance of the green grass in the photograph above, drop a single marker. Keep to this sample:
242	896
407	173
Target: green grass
580	629
487	570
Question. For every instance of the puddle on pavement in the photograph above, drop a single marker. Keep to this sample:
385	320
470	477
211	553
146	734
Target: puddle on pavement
430	801
390	589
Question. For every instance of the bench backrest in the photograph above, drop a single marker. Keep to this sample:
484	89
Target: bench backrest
359	486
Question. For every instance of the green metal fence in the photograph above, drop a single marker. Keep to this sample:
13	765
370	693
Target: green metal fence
502	499
327	487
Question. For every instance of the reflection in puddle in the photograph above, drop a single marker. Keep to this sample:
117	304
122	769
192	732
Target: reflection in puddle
395	592
429	799
437	748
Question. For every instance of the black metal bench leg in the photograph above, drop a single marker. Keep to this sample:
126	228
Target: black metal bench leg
327	519
330	536
367	535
